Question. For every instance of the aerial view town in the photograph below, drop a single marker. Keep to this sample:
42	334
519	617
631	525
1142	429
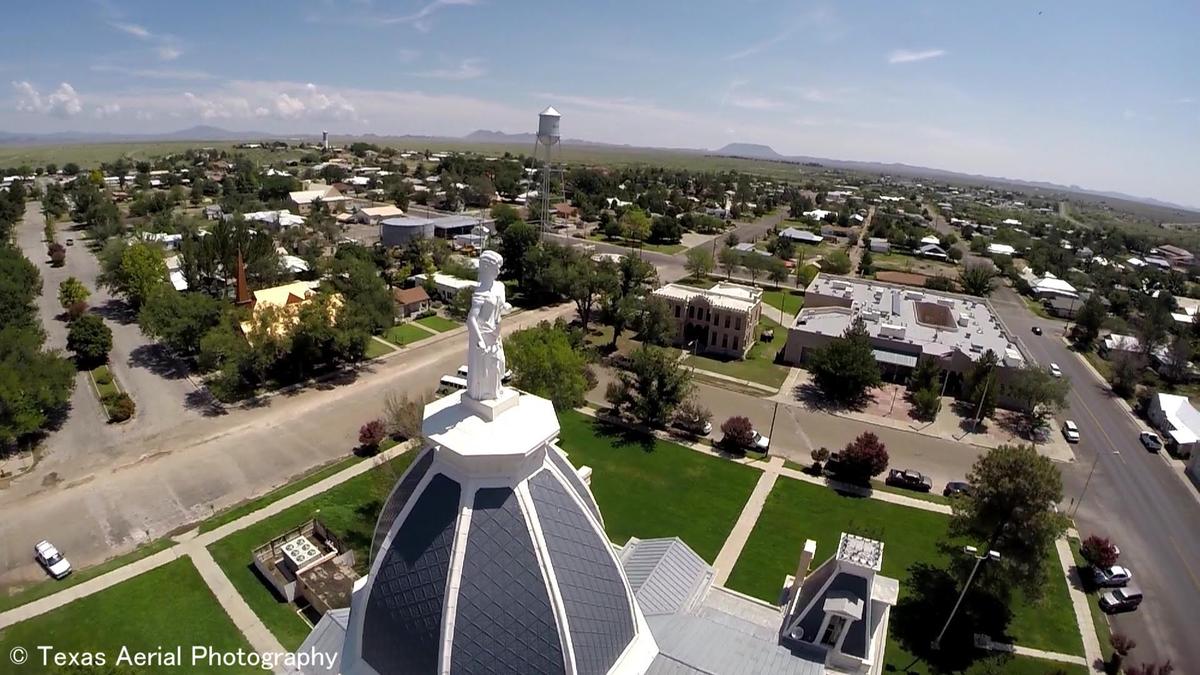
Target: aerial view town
355	337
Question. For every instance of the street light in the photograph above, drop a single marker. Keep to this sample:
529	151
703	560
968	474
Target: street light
993	556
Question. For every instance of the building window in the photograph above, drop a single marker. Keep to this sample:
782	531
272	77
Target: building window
737	324
724	342
691	312
708	315
727	321
735	341
677	309
713	341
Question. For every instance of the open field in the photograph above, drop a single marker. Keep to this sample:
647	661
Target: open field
647	487
438	323
796	511
350	510
162	609
404	334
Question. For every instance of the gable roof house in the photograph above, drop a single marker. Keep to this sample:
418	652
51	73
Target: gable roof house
933	251
302	200
801	236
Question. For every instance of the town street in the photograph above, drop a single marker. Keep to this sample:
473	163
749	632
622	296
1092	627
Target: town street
1134	497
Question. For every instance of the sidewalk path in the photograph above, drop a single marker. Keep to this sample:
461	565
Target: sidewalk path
1079	601
193	544
243	617
736	541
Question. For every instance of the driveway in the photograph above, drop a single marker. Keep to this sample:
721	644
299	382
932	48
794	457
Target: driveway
157	382
1134	497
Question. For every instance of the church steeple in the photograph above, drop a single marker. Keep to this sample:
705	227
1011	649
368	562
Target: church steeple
241	294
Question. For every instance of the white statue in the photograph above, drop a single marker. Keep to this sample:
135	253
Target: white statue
485	351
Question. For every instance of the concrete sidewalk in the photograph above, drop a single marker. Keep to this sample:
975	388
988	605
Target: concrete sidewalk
1079	602
740	534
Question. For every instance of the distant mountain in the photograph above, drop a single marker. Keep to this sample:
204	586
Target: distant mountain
489	136
752	150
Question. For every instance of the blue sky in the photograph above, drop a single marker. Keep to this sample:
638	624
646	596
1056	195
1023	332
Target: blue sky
1100	94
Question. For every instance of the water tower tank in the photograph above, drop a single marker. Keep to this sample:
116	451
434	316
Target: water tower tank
548	121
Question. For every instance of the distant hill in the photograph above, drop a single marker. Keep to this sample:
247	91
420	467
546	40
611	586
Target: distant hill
196	133
752	150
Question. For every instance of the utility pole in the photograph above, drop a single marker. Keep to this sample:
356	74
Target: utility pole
771	432
971	551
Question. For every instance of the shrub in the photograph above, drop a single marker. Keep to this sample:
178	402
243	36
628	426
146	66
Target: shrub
1098	551
371	434
90	339
120	407
104	379
404	415
426	314
76	310
57	253
864	457
737	433
820	456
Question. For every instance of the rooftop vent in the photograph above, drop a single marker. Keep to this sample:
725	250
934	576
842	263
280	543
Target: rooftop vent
300	551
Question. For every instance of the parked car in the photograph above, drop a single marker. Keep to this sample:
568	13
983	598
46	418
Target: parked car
1121	599
955	488
691	427
1055	370
909	479
1070	431
761	443
1114	576
1150	441
56	565
70	242
1037	330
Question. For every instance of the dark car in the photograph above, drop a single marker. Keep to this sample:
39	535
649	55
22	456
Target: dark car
955	488
1037	330
1121	600
909	479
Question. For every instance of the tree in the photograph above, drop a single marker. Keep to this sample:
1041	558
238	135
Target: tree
805	275
866	264
365	293
863	458
635	225
120	406
1088	322
622	300
180	320
517	240
71	291
1165	668
846	368
940	282
505	215
404	415
737	433
777	271
754	263
665	230
371	434
1126	372
692	416
1098	551
979	385
1009	510
34	384
819	456
1177	362
977	280
1037	392
699	262
729	258
545	363
652	387
927	404
140	271
836	263
927	375
90	339
584	283
1121	646
57	253
654	324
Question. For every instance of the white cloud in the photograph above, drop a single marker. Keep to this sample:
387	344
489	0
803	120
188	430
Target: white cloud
1186	100
106	110
152	73
422	19
909	56
756	103
468	69
762	45
166	46
62	102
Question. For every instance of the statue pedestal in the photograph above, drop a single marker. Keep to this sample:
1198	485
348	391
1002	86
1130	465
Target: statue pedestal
503	438
488	410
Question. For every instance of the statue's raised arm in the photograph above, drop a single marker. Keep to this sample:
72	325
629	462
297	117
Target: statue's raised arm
485	351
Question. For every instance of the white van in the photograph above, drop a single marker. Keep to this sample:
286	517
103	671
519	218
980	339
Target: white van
453	382
462	372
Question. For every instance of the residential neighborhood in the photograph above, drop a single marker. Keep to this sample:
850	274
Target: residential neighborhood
316	400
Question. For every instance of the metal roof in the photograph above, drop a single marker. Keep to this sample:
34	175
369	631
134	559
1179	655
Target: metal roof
667	577
704	644
895	358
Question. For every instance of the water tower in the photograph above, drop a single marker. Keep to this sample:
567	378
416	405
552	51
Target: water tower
324	140
547	148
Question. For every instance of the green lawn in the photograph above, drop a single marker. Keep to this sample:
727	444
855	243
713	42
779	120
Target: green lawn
758	366
1035	307
796	511
375	348
654	488
20	596
98	373
1099	618
275	495
159	610
350	510
787	299
438	323
404	334
669	249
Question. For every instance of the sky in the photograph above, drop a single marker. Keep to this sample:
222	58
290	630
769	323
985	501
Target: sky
1105	95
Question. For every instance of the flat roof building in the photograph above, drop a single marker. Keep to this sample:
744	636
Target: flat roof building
903	323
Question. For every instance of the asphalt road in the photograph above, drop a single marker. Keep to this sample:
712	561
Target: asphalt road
1134	497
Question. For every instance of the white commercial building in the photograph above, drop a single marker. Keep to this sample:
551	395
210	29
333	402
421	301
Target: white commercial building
1178	421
